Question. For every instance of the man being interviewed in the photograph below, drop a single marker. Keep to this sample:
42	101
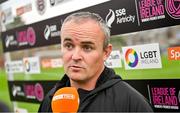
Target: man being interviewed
85	46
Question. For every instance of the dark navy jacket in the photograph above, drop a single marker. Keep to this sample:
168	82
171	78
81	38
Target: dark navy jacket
110	95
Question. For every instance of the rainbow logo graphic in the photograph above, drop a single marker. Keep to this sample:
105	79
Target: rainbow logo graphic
135	62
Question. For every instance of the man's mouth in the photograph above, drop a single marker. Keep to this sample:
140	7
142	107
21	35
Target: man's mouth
75	67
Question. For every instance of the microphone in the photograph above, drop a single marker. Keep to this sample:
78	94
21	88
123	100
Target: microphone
65	100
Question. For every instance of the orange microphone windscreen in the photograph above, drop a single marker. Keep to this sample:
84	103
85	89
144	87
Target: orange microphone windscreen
65	100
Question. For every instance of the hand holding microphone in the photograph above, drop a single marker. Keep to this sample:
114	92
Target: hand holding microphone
65	100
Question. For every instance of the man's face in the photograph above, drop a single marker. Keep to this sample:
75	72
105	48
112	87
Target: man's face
82	48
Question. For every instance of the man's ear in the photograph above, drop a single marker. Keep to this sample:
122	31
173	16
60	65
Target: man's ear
107	51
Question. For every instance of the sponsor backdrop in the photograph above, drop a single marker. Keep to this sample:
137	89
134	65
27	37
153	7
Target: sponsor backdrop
145	35
30	91
121	16
163	95
145	56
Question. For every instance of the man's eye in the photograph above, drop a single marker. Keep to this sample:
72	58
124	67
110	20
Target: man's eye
68	46
87	48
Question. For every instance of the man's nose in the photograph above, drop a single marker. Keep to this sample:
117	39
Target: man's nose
76	55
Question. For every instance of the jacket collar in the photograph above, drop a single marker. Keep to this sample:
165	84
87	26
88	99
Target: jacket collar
106	75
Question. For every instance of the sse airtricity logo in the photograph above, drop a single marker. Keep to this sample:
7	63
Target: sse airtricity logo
173	8
127	57
119	16
110	18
